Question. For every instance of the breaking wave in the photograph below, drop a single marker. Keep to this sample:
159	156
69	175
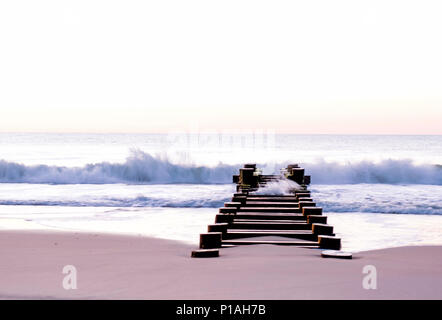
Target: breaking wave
139	167
369	198
142	168
137	202
384	172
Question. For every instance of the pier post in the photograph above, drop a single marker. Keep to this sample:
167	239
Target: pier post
240	194
250	166
228	210
210	240
297	175
246	177
218	227
316	219
303	204
205	253
232	204
223	218
329	242
291	166
241	199
305	199
317	211
322	229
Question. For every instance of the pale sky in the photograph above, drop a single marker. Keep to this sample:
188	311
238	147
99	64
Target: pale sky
350	67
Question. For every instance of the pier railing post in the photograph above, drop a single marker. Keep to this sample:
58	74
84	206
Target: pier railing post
210	240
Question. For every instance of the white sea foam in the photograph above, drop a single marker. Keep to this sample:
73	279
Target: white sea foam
386	172
139	167
116	195
281	187
143	168
85	182
370	198
380	198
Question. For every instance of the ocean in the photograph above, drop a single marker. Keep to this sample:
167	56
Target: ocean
378	191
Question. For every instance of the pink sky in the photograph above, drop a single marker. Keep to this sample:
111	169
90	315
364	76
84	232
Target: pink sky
290	66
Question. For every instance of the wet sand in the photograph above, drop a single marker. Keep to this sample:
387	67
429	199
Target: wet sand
130	267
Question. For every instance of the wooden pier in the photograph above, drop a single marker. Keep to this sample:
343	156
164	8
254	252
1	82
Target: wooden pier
254	218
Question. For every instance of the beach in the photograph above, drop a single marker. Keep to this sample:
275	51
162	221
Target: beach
137	267
202	150
126	210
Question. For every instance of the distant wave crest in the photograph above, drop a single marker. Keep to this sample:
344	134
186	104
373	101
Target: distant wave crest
139	167
136	202
143	168
385	172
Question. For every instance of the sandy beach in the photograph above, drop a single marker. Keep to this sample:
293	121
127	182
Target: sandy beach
129	267
134	133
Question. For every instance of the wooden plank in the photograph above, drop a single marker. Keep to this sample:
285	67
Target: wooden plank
250	195
298	234
270	222
271	204
269	209
288	221
205	253
269	225
268	216
272	199
272	242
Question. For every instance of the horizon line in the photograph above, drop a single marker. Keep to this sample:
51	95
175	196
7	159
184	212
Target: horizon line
223	132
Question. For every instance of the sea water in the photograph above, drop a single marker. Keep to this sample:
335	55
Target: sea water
378	191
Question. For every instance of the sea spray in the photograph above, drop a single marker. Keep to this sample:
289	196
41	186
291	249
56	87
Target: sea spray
369	198
143	168
385	172
281	187
139	167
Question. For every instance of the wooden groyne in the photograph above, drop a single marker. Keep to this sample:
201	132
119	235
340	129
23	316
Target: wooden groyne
252	217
